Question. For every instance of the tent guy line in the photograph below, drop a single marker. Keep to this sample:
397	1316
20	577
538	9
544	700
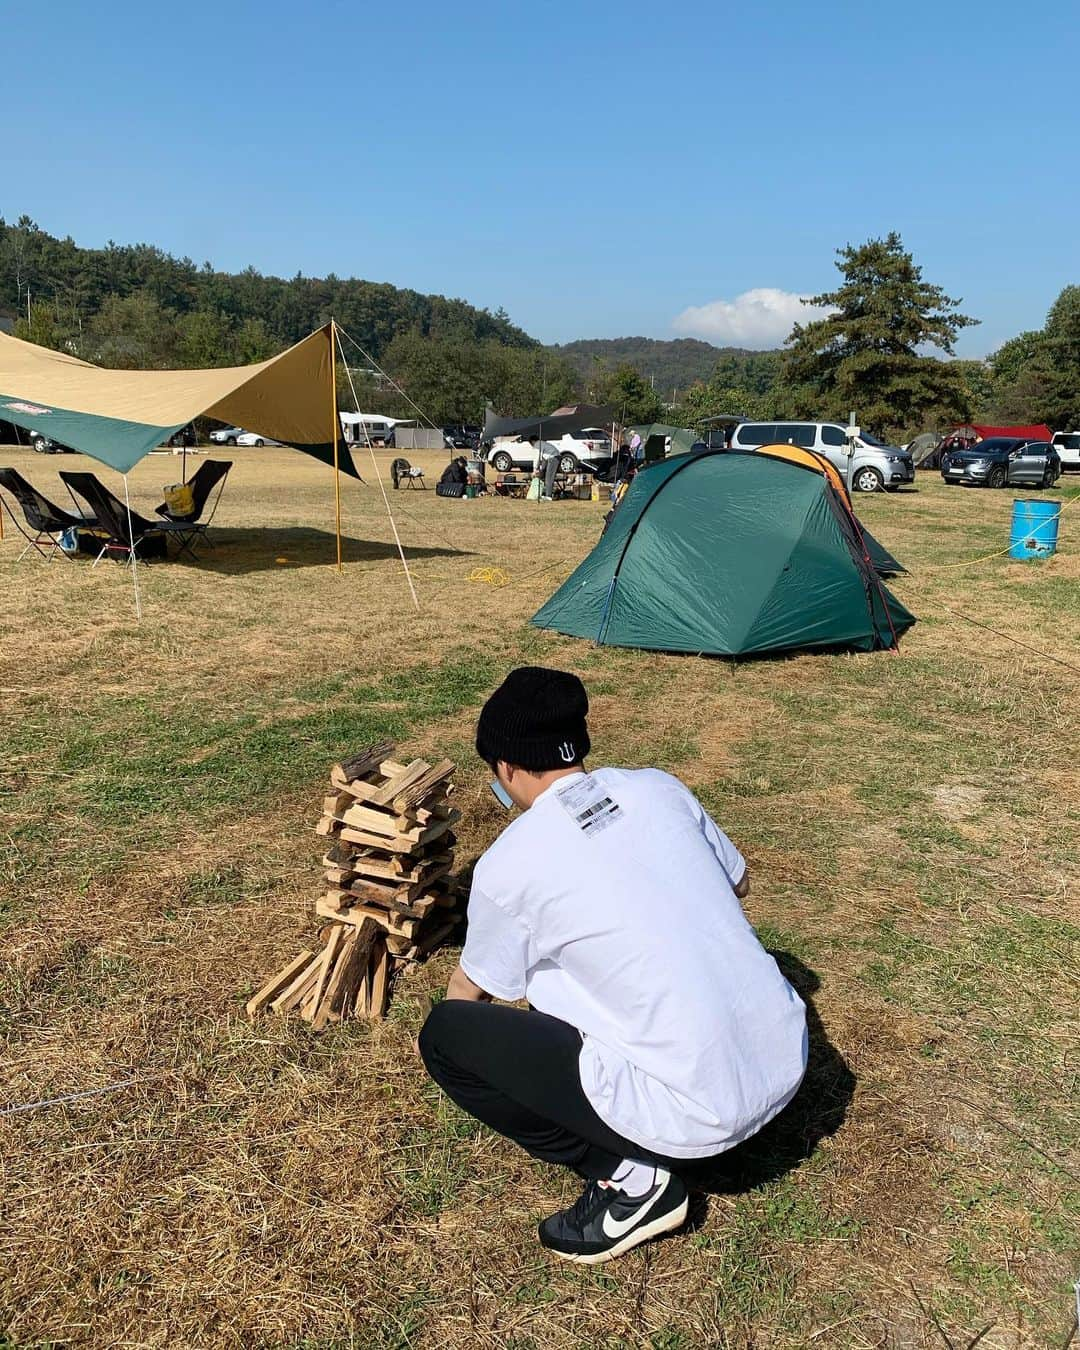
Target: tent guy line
378	476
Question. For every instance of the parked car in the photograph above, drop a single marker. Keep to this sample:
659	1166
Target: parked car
44	445
183	439
1000	460
227	435
1067	445
462	437
587	452
253	438
876	465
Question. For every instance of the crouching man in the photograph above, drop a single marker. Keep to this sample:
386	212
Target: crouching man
658	1029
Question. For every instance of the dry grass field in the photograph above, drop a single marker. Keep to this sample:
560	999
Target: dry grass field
911	822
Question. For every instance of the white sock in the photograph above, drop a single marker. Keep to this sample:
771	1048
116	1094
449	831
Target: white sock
634	1178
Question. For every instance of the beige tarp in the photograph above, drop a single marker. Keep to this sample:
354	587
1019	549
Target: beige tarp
118	416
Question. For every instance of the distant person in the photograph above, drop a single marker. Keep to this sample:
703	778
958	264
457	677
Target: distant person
635	446
457	471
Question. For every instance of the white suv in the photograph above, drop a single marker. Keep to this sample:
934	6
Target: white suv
876	465
1067	444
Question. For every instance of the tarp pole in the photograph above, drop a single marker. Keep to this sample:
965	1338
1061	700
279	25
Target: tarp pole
335	432
134	559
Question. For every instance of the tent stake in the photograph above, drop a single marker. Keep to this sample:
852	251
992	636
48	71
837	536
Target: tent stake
335	431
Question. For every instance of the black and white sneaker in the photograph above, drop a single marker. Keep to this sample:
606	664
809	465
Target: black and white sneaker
605	1222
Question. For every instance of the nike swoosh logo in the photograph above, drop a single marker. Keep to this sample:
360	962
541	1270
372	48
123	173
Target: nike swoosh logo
616	1228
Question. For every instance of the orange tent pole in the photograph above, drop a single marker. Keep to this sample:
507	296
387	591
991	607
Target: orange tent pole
335	434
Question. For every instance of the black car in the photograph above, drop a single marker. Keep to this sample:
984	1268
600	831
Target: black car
462	437
1000	460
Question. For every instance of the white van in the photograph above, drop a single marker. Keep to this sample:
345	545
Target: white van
1067	444
368	428
876	465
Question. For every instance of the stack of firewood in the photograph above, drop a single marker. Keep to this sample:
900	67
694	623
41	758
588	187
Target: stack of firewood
390	899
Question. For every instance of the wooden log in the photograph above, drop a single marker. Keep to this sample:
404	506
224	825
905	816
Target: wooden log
397	783
328	962
431	940
358	913
395	844
298	989
412	794
361	763
336	803
378	822
380	981
277	984
338	978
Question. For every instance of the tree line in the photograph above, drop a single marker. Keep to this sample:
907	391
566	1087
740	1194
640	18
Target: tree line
885	349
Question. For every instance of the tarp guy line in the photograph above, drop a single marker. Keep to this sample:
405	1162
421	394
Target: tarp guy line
379	479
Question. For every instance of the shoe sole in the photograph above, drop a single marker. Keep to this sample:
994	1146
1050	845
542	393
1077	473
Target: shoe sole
674	1218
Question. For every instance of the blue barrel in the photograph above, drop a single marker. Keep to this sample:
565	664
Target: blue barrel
1034	528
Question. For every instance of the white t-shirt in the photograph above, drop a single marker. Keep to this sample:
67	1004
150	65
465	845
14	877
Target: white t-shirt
609	904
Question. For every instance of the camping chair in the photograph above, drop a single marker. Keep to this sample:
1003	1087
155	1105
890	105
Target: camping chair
211	473
46	520
112	517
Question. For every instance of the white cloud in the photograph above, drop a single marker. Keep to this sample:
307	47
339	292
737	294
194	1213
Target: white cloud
759	318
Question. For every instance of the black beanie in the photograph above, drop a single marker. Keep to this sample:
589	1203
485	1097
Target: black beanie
536	720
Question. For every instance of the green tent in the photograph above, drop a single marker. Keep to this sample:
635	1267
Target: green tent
729	554
682	438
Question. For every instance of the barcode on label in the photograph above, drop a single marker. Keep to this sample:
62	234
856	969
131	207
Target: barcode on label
591	813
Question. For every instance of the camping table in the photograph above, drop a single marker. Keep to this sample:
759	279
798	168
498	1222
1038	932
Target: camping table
511	487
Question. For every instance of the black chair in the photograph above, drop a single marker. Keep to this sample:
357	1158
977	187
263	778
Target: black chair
209	475
46	520
125	530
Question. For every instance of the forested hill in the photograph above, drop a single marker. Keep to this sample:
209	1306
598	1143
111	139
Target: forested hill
240	316
675	364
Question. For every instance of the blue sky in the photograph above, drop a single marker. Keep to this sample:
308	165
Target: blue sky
598	170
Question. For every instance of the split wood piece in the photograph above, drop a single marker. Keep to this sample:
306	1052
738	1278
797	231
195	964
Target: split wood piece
396	869
297	991
337	804
397	783
331	950
380	981
404	841
431	940
378	822
359	764
273	987
338	854
413	794
328	908
336	989
398	843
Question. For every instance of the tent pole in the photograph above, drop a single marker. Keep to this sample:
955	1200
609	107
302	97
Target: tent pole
335	432
134	556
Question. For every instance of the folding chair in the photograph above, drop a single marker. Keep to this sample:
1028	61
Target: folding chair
211	473
46	520
113	517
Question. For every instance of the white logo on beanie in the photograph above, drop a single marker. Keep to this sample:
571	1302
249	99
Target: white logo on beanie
566	752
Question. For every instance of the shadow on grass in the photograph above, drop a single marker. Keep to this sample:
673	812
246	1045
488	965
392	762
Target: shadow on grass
238	551
817	1111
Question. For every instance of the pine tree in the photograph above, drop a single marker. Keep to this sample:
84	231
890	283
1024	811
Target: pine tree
868	355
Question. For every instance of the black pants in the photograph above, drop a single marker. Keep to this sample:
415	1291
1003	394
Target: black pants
517	1072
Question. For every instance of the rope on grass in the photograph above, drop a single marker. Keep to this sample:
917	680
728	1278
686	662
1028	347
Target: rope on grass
493	576
75	1096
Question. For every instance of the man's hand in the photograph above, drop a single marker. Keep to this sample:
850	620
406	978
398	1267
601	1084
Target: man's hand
460	986
742	890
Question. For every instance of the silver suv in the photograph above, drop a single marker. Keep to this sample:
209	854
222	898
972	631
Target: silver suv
876	465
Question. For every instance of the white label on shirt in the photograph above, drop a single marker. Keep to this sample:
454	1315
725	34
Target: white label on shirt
589	805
